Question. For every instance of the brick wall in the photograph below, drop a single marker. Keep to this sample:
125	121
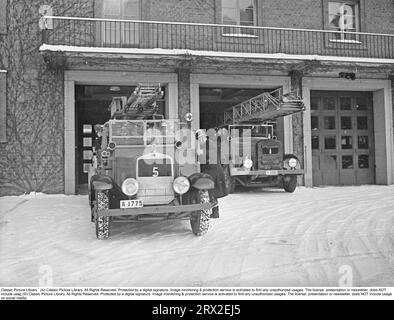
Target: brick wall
291	14
32	158
379	16
198	11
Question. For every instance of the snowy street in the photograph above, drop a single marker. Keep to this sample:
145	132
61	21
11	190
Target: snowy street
263	238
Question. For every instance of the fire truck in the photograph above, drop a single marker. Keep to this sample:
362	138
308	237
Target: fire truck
137	174
255	157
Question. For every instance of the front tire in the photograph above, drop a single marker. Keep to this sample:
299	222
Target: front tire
102	223
290	183
199	220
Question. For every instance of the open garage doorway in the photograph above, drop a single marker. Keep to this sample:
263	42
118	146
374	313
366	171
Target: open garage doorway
92	105
214	102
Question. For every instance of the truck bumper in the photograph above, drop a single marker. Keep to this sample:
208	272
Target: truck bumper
265	173
155	210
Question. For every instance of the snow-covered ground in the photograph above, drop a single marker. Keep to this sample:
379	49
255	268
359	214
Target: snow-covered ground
264	238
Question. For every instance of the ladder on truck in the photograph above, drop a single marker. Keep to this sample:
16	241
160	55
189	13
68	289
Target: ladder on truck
264	107
141	104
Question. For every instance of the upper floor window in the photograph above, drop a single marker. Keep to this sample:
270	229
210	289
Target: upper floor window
122	9
121	33
344	17
239	13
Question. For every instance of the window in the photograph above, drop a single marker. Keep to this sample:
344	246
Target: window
330	143
238	13
314	123
363	161
343	17
346	123
347	142
315	103
121	34
363	142
329	103
315	143
345	103
347	162
329	123
362	123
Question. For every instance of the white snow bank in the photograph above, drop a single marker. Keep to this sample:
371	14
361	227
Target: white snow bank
263	238
40	194
175	52
32	195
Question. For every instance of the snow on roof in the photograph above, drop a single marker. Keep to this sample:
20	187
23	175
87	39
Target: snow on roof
177	52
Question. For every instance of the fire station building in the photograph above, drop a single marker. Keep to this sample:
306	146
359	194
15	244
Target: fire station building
62	62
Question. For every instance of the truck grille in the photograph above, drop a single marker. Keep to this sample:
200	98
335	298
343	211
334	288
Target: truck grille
155	178
269	155
155	191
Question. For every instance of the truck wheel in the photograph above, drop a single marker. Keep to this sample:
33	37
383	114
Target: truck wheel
290	183
199	220
229	181
102	223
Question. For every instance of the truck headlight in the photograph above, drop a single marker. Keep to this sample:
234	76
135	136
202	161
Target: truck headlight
292	163
130	187
181	185
248	164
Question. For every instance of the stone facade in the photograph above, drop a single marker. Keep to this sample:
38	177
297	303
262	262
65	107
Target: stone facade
32	158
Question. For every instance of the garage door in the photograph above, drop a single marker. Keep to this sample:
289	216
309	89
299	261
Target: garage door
342	138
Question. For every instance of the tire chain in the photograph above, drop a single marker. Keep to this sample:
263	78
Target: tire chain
204	214
102	223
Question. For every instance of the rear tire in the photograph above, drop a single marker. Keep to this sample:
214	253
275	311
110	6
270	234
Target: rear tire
102	223
199	220
229	181
290	183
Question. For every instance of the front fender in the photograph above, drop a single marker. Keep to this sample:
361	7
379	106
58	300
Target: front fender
202	181
102	183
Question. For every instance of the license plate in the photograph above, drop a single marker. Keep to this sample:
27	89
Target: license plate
130	204
272	172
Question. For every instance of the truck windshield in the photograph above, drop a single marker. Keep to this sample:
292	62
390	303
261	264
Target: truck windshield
143	132
260	131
